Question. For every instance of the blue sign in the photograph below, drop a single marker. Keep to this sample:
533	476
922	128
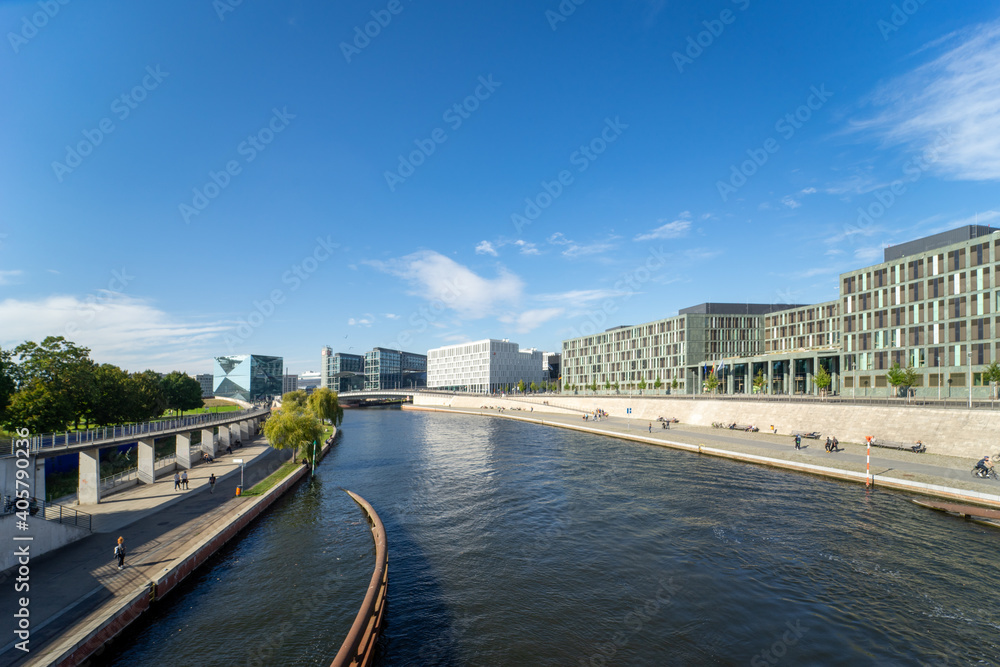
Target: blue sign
628	410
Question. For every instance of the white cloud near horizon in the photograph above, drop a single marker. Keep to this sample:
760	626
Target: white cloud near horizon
121	330
670	230
435	277
486	248
952	100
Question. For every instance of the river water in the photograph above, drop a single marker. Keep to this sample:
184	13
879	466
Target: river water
517	544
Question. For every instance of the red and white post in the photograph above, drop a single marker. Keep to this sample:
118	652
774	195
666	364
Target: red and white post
868	462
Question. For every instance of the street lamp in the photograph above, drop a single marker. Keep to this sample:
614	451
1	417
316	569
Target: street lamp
239	491
970	377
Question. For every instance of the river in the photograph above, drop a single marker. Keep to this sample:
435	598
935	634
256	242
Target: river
518	544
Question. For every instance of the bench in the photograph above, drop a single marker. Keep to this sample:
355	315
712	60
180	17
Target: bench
811	434
915	447
672	420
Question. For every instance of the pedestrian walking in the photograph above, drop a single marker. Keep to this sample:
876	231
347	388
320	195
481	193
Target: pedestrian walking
184	479
650	427
798	441
120	552
211	483
177	481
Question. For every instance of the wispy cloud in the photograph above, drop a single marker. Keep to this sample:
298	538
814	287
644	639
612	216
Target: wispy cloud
670	230
10	277
118	329
574	249
435	277
365	320
530	320
485	248
957	94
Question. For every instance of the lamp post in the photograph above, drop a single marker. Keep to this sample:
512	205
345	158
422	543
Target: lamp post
240	461
970	377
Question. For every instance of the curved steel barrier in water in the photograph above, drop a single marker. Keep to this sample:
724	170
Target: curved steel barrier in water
358	648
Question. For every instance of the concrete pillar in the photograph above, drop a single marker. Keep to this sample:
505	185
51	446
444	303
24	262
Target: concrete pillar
769	368
89	491
147	461
700	386
785	372
183	451
208	441
244	431
730	382
38	490
224	434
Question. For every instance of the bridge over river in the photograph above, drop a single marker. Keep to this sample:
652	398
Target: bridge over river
88	444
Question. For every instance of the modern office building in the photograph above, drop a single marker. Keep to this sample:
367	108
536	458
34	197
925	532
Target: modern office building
206	380
930	305
676	352
551	362
309	381
484	366
394	369
289	383
341	371
248	377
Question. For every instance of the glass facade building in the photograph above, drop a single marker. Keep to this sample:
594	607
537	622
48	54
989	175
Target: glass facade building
248	377
341	371
394	369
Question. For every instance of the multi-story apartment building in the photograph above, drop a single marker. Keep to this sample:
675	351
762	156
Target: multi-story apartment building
289	383
677	351
485	366
206	382
929	305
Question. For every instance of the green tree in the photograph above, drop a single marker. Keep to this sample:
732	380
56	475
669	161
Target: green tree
111	400
181	392
296	401
534	387
37	408
674	384
593	386
642	383
658	383
822	379
759	381
65	371
711	382
521	386
902	377
8	382
616	385
293	429
145	399
990	374
324	404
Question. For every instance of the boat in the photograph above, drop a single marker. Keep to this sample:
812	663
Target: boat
983	515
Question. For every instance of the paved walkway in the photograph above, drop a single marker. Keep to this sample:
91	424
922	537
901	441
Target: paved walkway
927	468
157	523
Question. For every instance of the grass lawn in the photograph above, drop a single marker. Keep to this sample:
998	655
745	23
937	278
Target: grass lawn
261	487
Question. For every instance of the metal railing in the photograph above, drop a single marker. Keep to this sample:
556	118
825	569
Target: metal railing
111	481
48	511
67	439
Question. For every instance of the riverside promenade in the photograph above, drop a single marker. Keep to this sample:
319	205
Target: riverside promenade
930	474
78	587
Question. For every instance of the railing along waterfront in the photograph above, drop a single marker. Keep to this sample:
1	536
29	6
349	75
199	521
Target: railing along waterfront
358	648
67	439
47	511
111	481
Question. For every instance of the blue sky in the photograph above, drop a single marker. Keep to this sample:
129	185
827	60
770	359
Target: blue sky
188	179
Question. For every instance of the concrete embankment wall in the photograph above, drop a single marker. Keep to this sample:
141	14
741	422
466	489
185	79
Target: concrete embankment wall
953	432
45	536
75	647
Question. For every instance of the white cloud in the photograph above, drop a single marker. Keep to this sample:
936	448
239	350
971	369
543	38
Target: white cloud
365	320
789	202
578	297
574	249
808	191
527	248
485	248
392	316
948	108
530	320
671	230
121	330
438	278
9	277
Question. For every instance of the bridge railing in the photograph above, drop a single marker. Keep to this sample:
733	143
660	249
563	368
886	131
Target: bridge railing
68	439
49	511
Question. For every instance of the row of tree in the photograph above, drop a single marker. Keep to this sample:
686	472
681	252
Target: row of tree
298	425
642	385
52	385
